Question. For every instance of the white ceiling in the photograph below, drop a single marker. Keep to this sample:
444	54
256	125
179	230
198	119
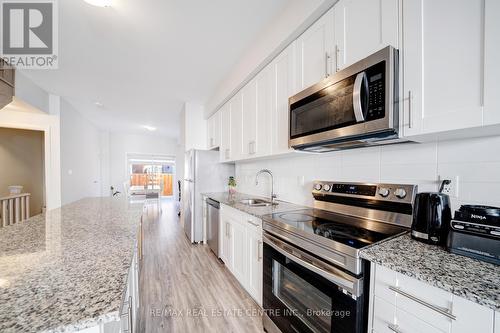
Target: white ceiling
142	59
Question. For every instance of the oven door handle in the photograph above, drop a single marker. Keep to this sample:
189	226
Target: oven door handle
349	284
356	96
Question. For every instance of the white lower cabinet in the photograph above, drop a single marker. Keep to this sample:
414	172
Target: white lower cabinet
242	249
405	305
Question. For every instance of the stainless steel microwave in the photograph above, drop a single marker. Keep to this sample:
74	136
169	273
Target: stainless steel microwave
357	106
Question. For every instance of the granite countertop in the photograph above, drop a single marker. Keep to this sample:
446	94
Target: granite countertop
67	269
471	279
233	200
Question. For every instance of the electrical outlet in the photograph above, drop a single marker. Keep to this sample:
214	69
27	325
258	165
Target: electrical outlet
452	188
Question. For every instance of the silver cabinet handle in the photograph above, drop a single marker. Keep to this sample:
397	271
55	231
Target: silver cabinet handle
227	154
129	316
356	96
438	309
211	142
254	224
327	58
130	320
337	51
394	328
227	230
409	109
259	250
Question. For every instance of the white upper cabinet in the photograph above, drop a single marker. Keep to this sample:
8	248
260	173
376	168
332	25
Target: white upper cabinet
282	88
213	130
491	63
363	27
225	129
314	51
442	63
249	107
235	104
264	82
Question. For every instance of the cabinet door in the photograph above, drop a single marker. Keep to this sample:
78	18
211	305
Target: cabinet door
227	251
249	113
236	127
239	247
363	27
265	130
225	141
491	63
314	51
497	322
217	128
282	89
254	259
210	133
442	55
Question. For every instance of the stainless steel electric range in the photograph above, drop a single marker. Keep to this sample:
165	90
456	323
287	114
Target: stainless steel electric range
314	279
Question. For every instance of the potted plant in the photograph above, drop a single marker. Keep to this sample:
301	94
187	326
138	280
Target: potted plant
232	185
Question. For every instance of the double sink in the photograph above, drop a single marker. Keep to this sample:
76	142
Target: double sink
257	202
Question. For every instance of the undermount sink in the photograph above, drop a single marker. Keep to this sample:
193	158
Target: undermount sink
257	202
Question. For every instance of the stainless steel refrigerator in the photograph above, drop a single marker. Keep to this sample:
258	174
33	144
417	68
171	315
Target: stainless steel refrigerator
202	173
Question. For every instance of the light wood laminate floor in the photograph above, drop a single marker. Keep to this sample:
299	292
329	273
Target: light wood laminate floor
184	288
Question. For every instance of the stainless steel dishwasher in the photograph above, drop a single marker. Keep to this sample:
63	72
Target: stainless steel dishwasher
213	225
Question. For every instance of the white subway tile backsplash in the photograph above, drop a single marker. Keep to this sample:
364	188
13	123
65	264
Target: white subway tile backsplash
470	150
475	161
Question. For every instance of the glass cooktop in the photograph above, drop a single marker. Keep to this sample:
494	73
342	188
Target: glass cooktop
348	230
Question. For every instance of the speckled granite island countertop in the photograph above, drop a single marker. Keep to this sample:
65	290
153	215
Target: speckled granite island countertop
234	201
66	269
472	279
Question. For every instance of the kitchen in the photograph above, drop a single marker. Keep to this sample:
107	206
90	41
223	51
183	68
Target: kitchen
342	176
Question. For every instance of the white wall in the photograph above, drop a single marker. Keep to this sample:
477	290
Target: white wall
120	144
282	30
475	161
31	93
80	155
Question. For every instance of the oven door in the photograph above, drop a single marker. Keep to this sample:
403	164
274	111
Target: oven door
302	293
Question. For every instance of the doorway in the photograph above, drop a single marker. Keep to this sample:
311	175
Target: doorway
151	173
22	180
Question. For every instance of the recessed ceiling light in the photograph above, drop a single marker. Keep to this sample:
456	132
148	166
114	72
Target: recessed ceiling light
99	104
100	3
149	128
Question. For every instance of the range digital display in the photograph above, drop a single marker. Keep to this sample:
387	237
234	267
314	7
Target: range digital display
365	190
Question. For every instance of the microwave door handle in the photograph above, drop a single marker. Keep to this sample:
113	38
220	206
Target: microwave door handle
356	97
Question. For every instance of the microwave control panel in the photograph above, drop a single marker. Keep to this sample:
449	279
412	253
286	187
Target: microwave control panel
376	91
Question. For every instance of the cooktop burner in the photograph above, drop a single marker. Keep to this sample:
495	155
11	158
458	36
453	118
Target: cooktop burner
348	230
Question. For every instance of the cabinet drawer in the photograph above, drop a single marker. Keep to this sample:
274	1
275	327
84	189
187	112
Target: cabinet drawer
405	293
430	295
384	278
230	211
253	223
384	315
407	323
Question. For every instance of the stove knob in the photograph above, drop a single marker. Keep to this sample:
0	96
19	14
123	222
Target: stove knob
400	193
326	187
318	187
384	192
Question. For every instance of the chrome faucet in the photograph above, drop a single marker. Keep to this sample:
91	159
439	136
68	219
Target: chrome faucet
273	195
